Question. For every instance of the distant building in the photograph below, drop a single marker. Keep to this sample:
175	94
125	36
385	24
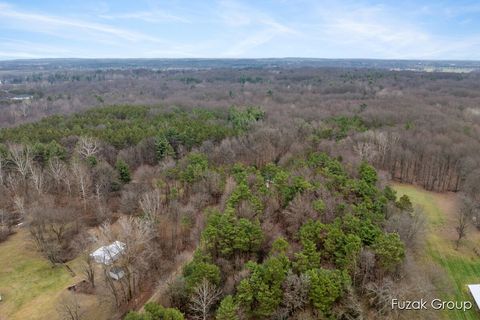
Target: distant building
21	98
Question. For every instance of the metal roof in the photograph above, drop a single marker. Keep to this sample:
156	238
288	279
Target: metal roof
108	254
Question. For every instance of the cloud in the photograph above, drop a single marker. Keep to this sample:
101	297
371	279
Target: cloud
379	31
242	18
235	14
60	26
250	42
15	49
155	16
232	28
18	55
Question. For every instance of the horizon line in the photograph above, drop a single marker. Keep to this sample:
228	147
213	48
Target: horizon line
239	58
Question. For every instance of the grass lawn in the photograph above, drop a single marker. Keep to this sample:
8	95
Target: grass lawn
30	287
462	266
28	283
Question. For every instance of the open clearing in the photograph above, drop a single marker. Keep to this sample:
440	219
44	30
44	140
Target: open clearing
462	266
28	283
31	288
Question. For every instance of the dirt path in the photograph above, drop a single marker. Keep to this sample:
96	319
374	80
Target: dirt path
159	294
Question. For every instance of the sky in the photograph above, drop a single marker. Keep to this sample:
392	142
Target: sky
432	29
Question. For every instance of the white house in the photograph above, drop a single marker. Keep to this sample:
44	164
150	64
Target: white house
108	254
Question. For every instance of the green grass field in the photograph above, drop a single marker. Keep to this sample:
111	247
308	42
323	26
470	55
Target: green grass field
463	266
32	289
28	283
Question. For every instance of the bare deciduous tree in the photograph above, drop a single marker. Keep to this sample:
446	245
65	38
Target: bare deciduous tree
84	244
69	307
52	229
21	156
151	204
19	206
83	179
409	226
464	217
24	108
380	296
365	146
295	293
59	172
14	184
36	175
2	173
89	269
367	266
203	298
5	224
88	147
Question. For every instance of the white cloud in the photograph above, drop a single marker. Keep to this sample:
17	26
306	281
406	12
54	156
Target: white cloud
154	16
231	28
255	28
381	32
18	55
60	26
250	42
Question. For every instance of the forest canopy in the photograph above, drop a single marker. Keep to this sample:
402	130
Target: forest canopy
258	193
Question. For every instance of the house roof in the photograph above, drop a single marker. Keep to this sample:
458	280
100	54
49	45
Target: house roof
108	254
475	291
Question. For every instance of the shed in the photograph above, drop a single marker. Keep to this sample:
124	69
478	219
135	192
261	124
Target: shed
108	254
116	273
475	291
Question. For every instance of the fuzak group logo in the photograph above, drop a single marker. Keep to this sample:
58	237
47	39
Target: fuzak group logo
434	304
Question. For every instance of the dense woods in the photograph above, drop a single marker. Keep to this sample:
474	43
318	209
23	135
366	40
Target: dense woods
420	127
274	180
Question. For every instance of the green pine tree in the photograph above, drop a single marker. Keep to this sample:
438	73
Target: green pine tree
227	309
123	171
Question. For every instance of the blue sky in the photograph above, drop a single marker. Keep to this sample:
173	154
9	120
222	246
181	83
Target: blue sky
240	29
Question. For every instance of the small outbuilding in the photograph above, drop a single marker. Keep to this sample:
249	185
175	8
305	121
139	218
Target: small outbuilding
116	273
108	254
